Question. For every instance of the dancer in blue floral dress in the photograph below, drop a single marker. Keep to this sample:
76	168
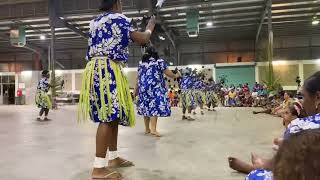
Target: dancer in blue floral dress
199	92
211	95
43	101
187	99
153	100
105	95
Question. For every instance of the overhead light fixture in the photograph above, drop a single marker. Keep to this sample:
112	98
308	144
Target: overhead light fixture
315	21
209	24
43	37
162	38
171	63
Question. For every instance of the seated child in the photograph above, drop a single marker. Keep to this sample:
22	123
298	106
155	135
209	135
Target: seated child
232	98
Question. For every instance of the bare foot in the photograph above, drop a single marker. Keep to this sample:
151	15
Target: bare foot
257	162
105	173
278	141
156	134
189	118
147	132
119	163
46	119
240	166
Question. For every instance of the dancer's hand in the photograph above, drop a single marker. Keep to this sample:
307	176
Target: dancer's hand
151	23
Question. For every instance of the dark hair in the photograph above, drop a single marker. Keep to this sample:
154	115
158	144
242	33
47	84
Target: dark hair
312	84
289	94
106	5
296	109
150	53
45	72
298	157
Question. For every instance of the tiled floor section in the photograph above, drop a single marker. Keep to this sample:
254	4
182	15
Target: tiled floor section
64	150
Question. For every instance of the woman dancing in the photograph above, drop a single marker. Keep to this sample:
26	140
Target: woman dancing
43	101
153	101
211	95
199	92
105	95
187	99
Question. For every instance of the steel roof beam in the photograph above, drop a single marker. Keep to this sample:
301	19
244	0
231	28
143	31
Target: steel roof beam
263	16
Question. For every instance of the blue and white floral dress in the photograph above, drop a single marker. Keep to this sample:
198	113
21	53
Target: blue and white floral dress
153	100
42	98
187	99
296	126
211	97
260	174
105	95
199	91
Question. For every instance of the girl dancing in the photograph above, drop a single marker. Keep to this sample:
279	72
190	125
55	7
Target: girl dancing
105	95
153	101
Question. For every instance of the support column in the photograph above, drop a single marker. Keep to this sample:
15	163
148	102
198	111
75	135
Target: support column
73	81
301	74
52	20
214	73
256	69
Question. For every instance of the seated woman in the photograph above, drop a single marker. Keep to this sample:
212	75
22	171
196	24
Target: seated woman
247	100
278	111
293	112
297	159
311	106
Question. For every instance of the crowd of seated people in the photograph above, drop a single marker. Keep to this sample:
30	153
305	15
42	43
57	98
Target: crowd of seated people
297	150
242	96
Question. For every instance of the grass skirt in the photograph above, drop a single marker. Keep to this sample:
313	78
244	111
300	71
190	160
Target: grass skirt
43	100
187	99
105	94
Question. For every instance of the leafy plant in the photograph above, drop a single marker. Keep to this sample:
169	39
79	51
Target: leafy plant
55	88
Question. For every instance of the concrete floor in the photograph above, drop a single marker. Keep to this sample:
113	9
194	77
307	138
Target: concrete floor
64	150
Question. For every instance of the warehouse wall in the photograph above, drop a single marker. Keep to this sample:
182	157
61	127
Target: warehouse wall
286	48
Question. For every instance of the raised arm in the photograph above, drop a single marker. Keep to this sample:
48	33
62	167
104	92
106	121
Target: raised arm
143	38
170	74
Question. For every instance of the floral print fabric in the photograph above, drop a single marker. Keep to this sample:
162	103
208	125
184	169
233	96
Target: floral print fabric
153	97
260	174
109	36
42	99
311	122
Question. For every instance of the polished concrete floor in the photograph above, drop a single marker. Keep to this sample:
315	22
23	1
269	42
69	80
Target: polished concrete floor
63	150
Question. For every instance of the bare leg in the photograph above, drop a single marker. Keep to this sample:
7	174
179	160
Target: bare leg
114	147
46	115
268	111
40	114
184	110
147	124
154	131
102	144
201	108
240	166
260	163
189	114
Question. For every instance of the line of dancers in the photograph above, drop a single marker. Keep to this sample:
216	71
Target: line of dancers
196	92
